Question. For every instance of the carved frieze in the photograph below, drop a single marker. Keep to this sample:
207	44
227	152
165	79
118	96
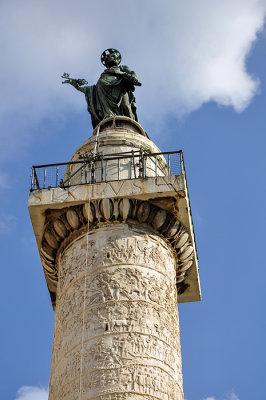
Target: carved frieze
116	330
73	221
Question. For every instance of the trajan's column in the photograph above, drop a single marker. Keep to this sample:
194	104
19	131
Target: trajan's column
116	241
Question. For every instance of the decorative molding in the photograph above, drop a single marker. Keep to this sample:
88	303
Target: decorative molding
64	226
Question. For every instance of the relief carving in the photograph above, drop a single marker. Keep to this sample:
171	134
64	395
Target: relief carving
124	344
59	228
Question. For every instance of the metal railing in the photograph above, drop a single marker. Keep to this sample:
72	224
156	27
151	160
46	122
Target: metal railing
108	168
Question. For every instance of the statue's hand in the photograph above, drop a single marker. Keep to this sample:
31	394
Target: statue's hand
133	80
74	82
81	82
71	81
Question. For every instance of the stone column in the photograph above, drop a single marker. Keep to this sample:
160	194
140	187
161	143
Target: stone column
118	255
116	330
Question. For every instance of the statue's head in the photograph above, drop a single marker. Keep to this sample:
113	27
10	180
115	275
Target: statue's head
111	58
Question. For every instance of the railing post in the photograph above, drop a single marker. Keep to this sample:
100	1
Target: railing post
81	174
101	170
32	179
69	172
182	167
140	165
92	171
118	169
133	160
86	177
56	177
44	178
155	165
130	168
36	180
144	166
168	164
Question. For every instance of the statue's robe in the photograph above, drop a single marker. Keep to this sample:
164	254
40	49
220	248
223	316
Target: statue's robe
112	95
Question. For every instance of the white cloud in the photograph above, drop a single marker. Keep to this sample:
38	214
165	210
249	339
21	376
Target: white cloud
4	180
232	396
32	393
7	224
185	53
37	393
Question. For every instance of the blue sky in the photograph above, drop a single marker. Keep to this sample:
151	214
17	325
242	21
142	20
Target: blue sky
203	69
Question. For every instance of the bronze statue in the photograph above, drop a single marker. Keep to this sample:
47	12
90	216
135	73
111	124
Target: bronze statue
113	93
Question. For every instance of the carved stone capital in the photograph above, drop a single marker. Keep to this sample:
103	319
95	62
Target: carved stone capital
65	225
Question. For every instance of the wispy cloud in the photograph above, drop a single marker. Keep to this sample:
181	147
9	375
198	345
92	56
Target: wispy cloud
32	393
7	224
231	396
4	180
234	397
185	53
38	393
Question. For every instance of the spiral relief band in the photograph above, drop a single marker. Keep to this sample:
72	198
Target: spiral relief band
129	346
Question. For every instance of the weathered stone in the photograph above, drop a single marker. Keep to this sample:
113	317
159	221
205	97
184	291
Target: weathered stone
73	219
106	208
173	229
159	219
187	253
125	298
88	211
51	240
144	211
183	239
60	228
125	208
184	267
112	254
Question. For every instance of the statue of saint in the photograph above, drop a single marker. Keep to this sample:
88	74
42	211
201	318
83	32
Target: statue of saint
113	93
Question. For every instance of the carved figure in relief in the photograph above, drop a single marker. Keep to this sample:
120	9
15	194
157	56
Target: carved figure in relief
114	396
132	340
125	317
114	251
133	319
131	253
121	325
155	255
133	374
104	282
107	323
103	355
148	381
91	252
122	346
134	288
145	289
118	291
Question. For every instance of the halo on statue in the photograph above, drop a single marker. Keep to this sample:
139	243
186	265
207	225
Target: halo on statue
106	52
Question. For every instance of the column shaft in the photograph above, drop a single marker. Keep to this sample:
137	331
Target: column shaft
116	321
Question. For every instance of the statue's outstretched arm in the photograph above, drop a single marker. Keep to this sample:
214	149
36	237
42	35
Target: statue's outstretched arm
77	83
74	83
